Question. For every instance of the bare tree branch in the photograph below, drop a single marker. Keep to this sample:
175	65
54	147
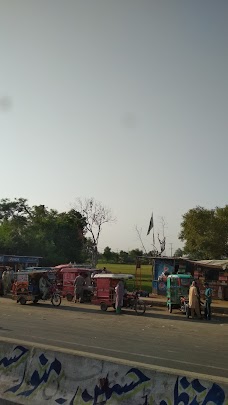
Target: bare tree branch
139	233
96	215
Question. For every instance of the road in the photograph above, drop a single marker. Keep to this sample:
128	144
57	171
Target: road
158	338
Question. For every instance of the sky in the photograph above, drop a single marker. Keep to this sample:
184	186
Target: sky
125	101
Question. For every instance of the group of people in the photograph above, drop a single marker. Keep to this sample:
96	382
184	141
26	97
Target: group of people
195	301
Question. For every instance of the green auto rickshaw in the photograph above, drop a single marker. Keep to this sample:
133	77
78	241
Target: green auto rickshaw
177	292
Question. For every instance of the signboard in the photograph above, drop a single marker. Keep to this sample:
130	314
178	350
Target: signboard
18	259
22	277
162	287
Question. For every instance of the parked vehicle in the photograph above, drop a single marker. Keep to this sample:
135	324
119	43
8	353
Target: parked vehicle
177	292
26	287
65	280
104	293
184	306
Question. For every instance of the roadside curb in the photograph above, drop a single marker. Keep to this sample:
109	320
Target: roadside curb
214	310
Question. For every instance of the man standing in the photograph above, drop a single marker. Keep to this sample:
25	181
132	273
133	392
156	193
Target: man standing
119	296
208	297
79	282
198	292
194	301
6	281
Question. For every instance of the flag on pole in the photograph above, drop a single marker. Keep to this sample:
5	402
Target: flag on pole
151	224
153	238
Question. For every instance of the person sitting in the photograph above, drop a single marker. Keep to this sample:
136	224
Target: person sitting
34	288
44	285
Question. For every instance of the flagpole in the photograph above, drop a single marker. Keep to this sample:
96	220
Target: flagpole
153	231
151	226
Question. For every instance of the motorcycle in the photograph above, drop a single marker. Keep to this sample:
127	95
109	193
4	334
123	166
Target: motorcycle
184	307
53	295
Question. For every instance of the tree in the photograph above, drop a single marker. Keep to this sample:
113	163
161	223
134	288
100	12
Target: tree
133	254
96	215
123	257
178	253
107	254
14	218
38	231
205	233
14	210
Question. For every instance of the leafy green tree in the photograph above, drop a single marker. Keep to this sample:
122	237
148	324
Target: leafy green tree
108	254
14	218
123	257
205	233
57	237
17	209
178	253
133	254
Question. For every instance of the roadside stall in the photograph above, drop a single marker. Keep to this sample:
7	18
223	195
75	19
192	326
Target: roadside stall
215	273
162	267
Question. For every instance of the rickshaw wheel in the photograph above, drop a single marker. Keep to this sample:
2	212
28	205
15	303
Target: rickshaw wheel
140	307
69	297
22	301
56	300
104	306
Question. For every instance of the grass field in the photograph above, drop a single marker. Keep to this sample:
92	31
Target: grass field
146	272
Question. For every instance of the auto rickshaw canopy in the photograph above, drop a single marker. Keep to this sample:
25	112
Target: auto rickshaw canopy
115	276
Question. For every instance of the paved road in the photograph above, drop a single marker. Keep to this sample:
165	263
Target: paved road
158	338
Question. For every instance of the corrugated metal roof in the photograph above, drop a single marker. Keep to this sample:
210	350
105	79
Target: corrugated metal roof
223	264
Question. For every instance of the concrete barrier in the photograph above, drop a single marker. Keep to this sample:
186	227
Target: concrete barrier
41	374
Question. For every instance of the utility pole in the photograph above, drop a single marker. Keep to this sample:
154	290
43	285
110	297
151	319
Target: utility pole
171	249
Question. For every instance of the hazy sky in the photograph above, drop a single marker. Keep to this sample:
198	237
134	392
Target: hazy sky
122	100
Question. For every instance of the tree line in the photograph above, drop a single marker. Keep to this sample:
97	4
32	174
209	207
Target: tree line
123	257
73	236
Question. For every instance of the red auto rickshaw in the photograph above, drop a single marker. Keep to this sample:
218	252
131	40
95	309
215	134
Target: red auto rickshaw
104	293
66	277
